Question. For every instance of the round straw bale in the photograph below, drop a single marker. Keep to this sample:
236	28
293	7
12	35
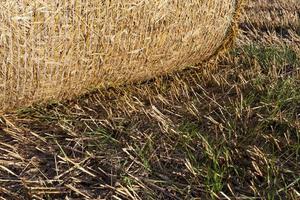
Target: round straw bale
62	48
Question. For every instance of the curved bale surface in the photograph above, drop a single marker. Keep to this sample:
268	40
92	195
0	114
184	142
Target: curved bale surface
57	49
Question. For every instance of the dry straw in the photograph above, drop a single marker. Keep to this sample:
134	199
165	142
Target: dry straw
60	48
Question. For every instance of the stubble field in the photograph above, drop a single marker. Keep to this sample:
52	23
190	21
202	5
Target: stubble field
229	129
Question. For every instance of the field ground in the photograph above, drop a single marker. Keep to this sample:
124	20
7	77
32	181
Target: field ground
226	130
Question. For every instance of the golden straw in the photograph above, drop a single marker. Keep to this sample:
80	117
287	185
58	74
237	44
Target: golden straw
62	48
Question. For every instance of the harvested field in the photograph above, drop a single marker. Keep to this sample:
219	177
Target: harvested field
229	129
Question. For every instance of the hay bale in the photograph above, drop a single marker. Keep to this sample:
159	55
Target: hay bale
57	49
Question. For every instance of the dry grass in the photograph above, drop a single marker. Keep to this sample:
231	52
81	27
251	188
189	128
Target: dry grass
59	49
227	130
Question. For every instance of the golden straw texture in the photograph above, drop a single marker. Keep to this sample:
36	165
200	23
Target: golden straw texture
60	48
